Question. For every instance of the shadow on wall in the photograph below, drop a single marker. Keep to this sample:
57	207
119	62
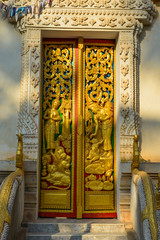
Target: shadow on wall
10	70
150	91
151	140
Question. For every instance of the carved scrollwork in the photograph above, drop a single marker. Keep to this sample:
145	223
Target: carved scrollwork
99	118
56	117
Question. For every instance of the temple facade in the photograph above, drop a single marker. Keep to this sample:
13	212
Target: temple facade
86	84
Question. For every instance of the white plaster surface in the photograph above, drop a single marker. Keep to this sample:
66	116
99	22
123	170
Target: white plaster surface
150	91
136	212
10	70
6	165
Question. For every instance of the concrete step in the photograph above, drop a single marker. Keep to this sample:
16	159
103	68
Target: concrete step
84	236
76	228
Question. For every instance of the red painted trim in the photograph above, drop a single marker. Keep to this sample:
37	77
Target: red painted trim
99	41
54	214
76	119
75	40
99	215
59	40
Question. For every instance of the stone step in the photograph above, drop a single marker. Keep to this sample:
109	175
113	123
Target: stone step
85	236
76	228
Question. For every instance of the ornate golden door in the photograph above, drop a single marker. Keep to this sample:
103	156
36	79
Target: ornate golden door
77	165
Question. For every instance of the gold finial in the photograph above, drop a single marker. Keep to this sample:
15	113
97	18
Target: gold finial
19	153
135	163
80	43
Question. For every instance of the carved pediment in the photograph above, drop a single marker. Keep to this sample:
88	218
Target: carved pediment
108	14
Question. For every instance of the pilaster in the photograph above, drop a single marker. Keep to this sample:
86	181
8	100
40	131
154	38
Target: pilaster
28	120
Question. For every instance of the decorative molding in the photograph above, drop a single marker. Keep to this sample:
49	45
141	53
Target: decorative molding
26	124
30	146
124	83
97	4
124	70
85	18
129	62
131	122
35	81
125	98
126	148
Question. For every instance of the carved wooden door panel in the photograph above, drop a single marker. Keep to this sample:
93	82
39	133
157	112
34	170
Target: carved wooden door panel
77	176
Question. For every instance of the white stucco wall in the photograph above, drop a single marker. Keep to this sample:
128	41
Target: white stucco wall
150	91
10	70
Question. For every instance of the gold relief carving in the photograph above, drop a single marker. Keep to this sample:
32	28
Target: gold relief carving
99	118
56	159
57	73
51	127
57	199
58	172
96	200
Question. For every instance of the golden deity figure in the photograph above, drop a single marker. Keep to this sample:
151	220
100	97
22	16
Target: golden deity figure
51	127
100	156
106	118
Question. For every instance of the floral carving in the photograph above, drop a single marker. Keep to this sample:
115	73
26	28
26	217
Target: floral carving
131	22
125	98
34	81
65	20
92	22
131	4
124	83
35	67
83	16
108	22
125	70
121	22
124	52
34	97
55	23
79	21
35	53
34	111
